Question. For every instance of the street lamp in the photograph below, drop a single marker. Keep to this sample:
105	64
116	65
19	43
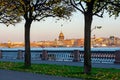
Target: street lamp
96	27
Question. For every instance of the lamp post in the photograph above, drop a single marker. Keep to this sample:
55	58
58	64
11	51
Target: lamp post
96	27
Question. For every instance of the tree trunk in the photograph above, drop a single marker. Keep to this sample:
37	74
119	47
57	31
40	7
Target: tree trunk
27	62
87	43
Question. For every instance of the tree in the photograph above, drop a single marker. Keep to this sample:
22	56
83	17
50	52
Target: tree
36	10
90	8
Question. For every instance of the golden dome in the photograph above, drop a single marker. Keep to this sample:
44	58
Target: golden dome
61	36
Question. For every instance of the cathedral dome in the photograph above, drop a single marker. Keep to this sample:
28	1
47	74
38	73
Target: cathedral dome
61	36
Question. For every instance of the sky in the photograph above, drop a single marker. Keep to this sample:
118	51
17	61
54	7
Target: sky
49	29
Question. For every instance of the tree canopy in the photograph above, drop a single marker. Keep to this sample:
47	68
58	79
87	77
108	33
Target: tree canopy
8	14
98	7
39	9
114	8
11	11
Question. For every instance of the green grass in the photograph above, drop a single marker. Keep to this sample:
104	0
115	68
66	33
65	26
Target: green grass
66	71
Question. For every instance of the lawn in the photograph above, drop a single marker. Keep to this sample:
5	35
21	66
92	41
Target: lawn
66	71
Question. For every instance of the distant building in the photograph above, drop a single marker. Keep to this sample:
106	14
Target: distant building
79	43
69	42
62	42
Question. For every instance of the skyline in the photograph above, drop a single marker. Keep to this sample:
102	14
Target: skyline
49	29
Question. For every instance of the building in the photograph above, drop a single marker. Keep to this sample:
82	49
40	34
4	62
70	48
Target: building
62	42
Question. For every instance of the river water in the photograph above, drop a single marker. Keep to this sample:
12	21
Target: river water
68	48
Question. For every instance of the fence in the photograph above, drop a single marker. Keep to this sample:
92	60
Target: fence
75	55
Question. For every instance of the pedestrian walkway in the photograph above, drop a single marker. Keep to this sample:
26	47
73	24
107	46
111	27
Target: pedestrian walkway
15	75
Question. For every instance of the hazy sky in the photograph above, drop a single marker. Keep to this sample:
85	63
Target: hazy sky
49	29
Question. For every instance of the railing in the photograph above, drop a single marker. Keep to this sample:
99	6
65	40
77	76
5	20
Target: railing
97	56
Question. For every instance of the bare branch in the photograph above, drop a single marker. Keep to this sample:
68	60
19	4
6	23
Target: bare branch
82	6
44	17
75	5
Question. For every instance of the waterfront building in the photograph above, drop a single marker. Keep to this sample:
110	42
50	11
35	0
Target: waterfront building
60	41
